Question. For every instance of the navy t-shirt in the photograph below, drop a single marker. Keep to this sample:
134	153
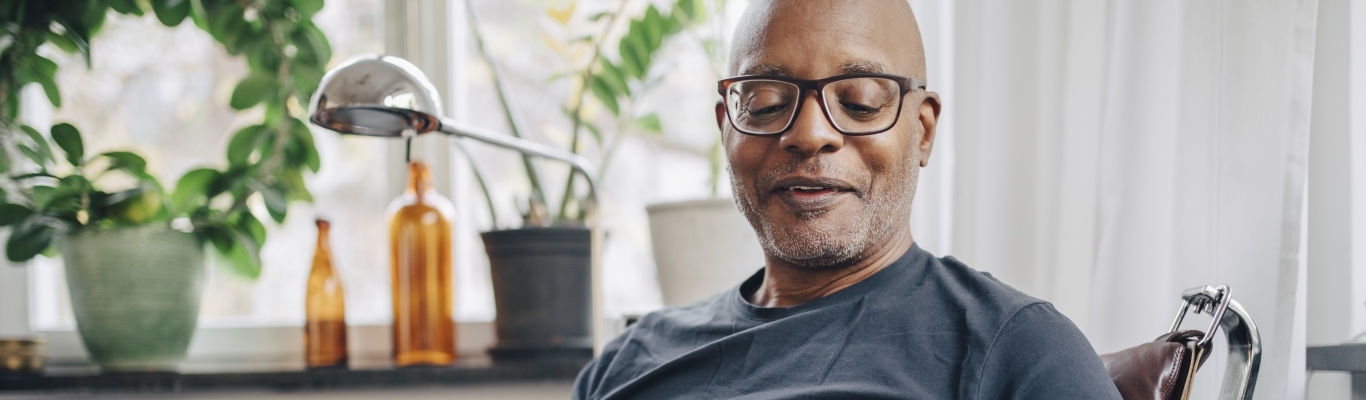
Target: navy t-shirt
922	328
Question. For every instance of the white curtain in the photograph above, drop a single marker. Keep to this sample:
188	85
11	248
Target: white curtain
1110	154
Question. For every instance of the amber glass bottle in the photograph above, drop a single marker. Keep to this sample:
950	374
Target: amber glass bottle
420	260
324	309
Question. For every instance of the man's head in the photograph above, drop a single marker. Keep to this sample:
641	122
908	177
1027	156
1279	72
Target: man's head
818	198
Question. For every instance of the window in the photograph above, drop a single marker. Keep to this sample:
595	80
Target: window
141	69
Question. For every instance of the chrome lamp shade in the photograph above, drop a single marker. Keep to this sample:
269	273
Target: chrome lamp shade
376	96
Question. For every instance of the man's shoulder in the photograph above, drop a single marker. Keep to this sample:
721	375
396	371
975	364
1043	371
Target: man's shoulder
706	314
953	281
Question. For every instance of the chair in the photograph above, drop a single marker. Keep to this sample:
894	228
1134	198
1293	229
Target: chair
1165	368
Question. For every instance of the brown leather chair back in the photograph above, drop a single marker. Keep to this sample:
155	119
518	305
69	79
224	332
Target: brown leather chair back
1159	370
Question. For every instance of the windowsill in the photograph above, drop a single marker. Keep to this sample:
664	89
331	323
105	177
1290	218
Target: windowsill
272	348
473	370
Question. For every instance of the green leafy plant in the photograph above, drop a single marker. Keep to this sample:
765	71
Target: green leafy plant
287	55
613	83
51	203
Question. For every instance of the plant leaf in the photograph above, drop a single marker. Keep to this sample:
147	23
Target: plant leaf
253	228
4	162
244	142
171	12
77	36
191	190
32	155
650	123
244	258
62	42
604	93
125	7
12	213
640	48
41	193
307	7
277	204
69	139
32	175
44	150
76	182
613	77
653	28
41	71
128	162
689	9
292	180
64	200
630	63
306	80
28	240
253	90
304	137
312	45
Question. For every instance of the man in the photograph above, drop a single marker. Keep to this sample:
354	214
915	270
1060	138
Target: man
826	128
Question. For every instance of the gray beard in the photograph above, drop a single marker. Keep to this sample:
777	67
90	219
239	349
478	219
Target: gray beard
815	249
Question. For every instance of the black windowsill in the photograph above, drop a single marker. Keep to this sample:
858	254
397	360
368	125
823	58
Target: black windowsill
465	372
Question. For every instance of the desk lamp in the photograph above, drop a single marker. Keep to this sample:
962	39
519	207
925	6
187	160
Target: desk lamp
386	96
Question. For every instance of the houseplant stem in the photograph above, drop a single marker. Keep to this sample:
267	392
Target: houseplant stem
577	114
533	176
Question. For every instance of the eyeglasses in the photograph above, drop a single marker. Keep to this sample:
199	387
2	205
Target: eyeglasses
855	104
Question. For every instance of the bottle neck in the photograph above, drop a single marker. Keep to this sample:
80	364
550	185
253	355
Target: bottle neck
419	178
323	238
323	251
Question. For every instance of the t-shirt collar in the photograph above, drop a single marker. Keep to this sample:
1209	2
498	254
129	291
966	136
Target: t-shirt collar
913	257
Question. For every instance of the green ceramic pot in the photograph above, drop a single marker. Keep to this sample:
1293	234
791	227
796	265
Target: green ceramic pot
135	292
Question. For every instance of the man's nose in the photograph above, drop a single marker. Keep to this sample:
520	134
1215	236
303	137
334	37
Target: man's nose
811	133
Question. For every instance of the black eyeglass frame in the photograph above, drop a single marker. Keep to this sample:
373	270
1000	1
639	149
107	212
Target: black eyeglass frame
906	85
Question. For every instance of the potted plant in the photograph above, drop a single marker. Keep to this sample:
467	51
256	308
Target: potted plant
541	270
702	246
133	250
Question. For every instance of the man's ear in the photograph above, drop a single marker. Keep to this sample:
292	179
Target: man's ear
929	120
720	116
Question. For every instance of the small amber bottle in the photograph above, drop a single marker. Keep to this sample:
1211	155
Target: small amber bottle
420	260
324	309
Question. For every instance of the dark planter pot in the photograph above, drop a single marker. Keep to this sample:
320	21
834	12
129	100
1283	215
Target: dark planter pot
542	289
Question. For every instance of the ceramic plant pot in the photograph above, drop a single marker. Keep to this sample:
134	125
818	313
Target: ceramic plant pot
542	289
701	248
135	293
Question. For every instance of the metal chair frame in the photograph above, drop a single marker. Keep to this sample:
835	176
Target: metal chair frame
1244	341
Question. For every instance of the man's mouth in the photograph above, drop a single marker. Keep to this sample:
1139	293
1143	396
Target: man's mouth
805	191
810	194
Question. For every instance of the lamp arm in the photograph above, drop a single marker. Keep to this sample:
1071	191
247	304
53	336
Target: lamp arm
575	161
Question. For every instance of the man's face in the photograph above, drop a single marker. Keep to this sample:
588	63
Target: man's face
818	198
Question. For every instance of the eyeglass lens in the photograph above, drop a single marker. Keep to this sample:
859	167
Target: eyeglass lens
854	105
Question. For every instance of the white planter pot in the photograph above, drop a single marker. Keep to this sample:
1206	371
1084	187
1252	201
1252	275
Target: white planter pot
701	247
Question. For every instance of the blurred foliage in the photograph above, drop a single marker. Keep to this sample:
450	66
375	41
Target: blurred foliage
613	83
287	55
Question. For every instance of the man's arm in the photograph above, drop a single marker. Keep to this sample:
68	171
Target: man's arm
590	378
1040	354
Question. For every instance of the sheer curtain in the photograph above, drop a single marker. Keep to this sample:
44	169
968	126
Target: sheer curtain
1111	154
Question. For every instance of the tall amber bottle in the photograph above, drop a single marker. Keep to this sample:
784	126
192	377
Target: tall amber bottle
324	309
420	260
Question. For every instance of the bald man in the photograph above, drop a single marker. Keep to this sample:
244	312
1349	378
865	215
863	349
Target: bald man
826	125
